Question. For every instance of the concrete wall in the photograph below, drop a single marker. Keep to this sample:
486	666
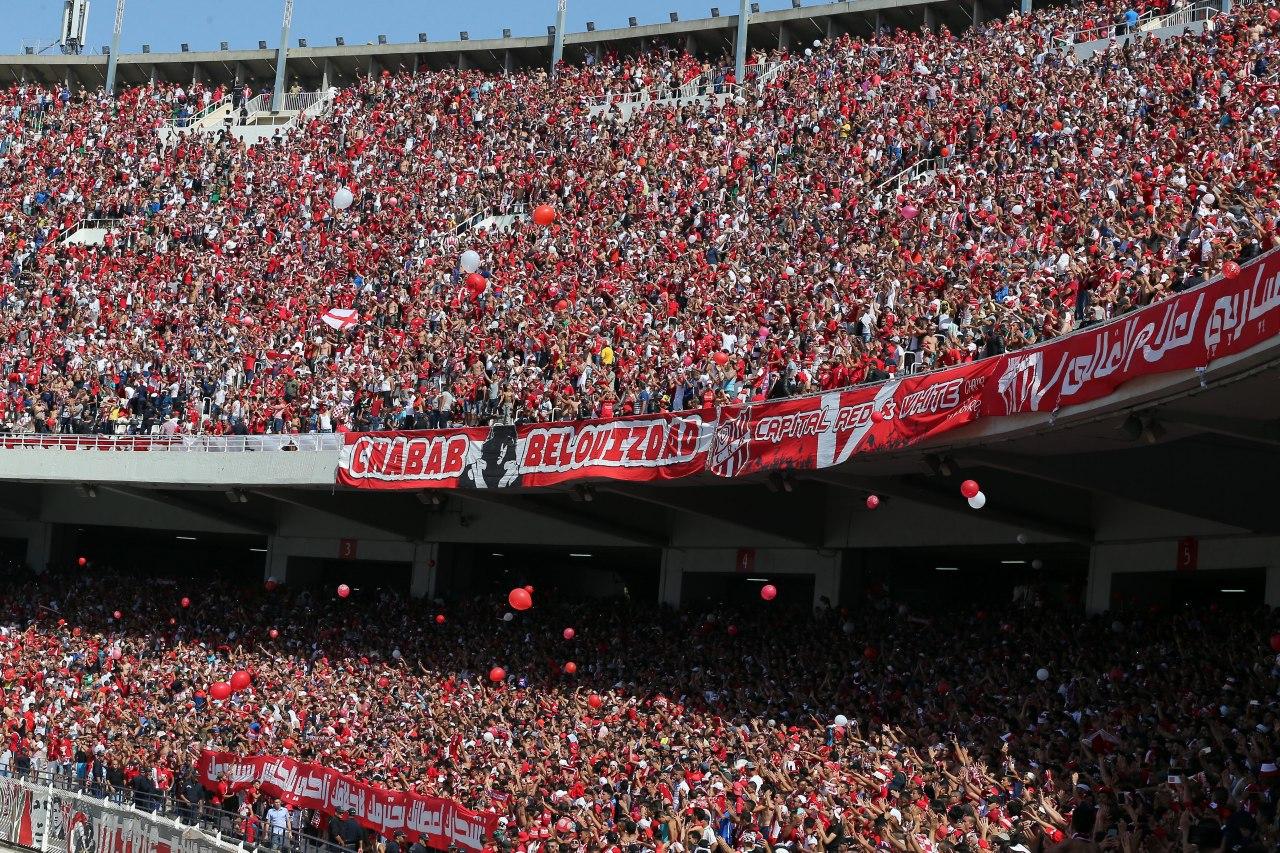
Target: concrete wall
769	562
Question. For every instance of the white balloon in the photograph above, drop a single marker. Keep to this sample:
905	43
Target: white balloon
1037	564
1209	198
978	501
1022	539
470	261
396	654
817	42
842	720
1017	210
508	616
808	51
488	737
343	198
1042	674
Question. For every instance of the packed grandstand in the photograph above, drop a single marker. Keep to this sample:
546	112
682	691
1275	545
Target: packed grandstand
725	249
731	249
610	726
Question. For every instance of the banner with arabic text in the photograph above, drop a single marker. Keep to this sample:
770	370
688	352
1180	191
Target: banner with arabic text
1185	332
437	822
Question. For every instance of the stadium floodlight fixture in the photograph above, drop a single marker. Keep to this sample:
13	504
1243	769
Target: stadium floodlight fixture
675	17
551	29
186	48
382	39
146	48
795	4
29	50
755	8
591	26
506	32
340	41
302	42
106	51
464	35
224	46
715	11
631	21
422	37
262	44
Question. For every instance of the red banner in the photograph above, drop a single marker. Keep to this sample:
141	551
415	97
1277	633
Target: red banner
1185	332
435	821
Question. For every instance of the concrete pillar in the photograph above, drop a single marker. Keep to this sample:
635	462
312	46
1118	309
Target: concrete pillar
422	581
152	74
463	62
40	546
196	74
930	19
826	582
833	29
879	21
690	44
784	36
1272	595
239	74
740	41
557	44
508	62
671	574
416	60
325	71
1097	595
277	562
374	68
977	12
1026	7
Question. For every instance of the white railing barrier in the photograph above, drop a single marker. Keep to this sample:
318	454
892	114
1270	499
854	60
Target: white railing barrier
46	818
302	442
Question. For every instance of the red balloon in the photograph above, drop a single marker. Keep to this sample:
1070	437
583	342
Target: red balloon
343	590
570	667
220	690
497	674
721	358
476	283
186	602
594	700
873	501
116	614
520	599
1273	15
173	621
440	619
569	633
82	561
1230	270
733	630
287	743
969	488
870	653
271	584
384	682
528	588
562	305
10	674
1057	125
877	417
1275	642
274	633
544	215
768	592
240	680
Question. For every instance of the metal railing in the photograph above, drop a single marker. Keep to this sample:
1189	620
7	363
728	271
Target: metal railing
107	224
301	101
199	116
303	442
1150	21
217	828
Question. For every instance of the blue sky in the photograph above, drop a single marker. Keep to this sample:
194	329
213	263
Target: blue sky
164	24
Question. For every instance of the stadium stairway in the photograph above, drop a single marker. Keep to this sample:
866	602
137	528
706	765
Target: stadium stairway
258	121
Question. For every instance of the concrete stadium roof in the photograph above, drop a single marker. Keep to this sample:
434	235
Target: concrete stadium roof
311	67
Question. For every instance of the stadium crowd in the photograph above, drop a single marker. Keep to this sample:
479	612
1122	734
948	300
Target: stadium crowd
1010	728
726	249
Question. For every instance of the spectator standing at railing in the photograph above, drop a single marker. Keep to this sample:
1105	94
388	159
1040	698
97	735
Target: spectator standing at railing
277	824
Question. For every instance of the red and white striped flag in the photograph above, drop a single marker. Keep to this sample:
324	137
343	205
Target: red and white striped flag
340	318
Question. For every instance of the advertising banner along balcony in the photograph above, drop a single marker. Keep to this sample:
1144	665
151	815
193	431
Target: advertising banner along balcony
1185	332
